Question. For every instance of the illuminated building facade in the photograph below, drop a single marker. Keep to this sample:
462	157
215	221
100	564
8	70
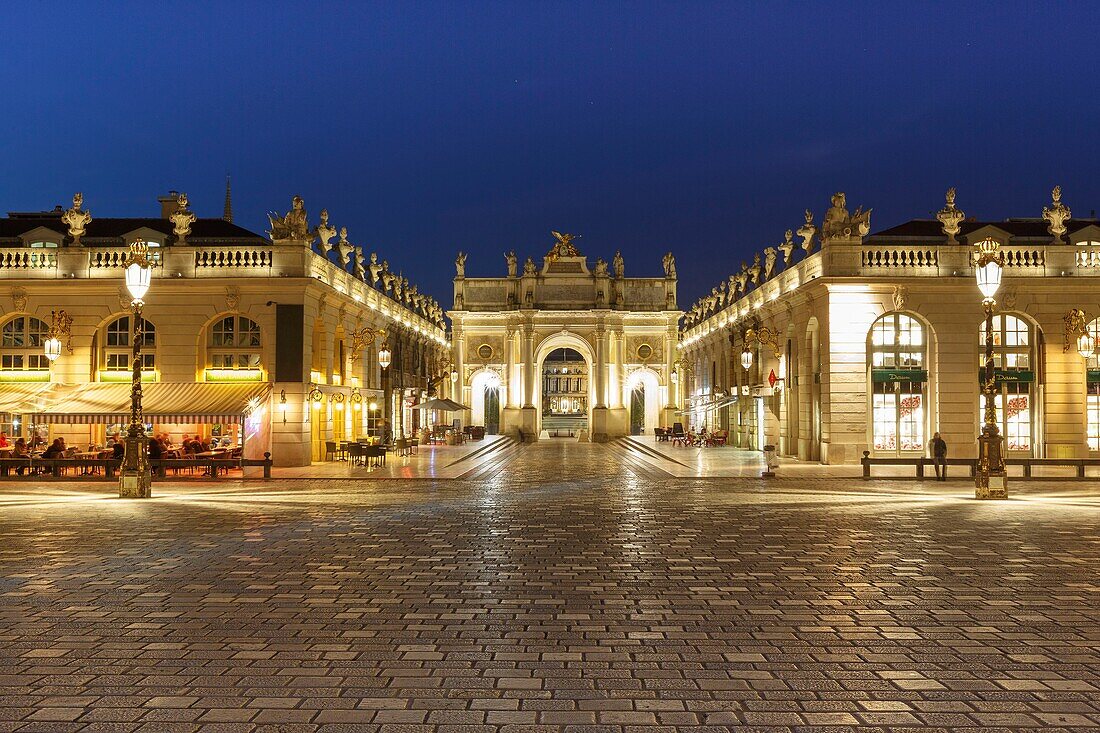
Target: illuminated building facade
872	342
623	329
267	342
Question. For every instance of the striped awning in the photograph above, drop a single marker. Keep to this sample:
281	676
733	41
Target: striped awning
711	406
24	397
161	402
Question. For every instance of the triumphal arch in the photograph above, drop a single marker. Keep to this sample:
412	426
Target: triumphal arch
613	336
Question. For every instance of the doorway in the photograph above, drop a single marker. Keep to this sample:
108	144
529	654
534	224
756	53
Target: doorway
492	410
637	410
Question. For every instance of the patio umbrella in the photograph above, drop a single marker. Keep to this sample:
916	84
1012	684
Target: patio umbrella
441	405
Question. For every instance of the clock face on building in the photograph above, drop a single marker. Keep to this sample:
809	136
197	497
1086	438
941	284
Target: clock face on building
485	351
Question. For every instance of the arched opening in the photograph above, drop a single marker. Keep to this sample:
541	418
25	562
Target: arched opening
565	390
1016	376
485	400
809	398
579	347
1092	393
643	397
897	360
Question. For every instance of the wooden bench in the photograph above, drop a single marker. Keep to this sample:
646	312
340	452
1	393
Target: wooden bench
972	464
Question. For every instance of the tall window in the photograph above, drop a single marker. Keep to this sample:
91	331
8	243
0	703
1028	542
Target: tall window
234	343
21	342
1092	380
899	379
117	346
1013	369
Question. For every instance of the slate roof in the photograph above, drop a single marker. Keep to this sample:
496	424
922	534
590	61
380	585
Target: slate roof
11	227
1022	228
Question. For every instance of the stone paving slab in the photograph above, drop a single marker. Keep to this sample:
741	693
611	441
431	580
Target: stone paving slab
570	592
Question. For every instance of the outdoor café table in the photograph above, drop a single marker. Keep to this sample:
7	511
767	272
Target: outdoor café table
88	455
214	454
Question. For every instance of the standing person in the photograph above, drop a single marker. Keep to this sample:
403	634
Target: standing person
938	448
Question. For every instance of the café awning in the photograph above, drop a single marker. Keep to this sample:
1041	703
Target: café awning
161	402
24	397
716	404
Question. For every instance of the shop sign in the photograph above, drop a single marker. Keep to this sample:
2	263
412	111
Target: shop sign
1001	376
899	375
772	379
1094	375
745	389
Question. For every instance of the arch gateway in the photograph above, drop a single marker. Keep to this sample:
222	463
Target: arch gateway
508	325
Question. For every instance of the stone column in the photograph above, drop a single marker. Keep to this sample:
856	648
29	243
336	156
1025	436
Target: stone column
601	368
528	368
528	415
510	385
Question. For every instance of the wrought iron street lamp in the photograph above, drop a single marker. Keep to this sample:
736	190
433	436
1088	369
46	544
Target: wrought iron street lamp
1077	333
60	328
135	476
757	334
991	480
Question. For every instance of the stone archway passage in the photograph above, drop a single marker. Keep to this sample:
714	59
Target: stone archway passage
565	386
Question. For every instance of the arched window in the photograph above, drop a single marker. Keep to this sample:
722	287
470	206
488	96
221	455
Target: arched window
21	341
897	353
234	343
116	348
1092	381
1014	372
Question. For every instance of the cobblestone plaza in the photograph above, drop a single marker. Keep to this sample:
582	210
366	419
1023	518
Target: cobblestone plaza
573	590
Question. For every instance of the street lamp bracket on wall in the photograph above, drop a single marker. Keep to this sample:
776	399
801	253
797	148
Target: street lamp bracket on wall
1076	333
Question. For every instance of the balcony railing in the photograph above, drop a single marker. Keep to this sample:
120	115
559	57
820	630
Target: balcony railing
233	258
24	259
899	257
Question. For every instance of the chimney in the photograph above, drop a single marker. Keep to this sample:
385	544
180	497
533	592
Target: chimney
169	204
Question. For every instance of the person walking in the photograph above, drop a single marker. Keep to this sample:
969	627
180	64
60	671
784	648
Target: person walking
939	456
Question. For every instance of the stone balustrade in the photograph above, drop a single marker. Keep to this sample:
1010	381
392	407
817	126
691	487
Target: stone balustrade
209	262
854	260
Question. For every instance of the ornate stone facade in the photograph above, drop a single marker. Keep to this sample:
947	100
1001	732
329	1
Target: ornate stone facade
505	327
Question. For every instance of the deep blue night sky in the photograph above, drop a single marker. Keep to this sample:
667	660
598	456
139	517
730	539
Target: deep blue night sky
429	128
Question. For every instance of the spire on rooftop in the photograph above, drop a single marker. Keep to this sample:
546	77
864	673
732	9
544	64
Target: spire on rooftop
227	214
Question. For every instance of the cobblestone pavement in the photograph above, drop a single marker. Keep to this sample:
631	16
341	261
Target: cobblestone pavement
571	592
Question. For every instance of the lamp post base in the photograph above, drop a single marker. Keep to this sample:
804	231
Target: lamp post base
135	486
991	478
135	477
991	486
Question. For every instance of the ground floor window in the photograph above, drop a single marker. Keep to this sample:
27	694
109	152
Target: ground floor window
898	415
1092	411
1014	414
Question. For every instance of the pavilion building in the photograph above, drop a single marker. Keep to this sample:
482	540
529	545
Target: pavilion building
270	343
850	341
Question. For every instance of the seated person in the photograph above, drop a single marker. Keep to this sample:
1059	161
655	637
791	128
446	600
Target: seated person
56	449
155	450
118	449
20	450
4	441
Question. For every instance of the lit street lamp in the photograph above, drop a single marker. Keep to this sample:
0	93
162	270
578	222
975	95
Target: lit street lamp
60	327
991	481
385	358
135	475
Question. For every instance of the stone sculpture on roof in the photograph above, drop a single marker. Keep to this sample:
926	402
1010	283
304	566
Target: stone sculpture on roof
77	219
292	227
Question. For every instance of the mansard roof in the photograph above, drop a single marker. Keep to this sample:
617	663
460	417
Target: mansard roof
16	224
1018	228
